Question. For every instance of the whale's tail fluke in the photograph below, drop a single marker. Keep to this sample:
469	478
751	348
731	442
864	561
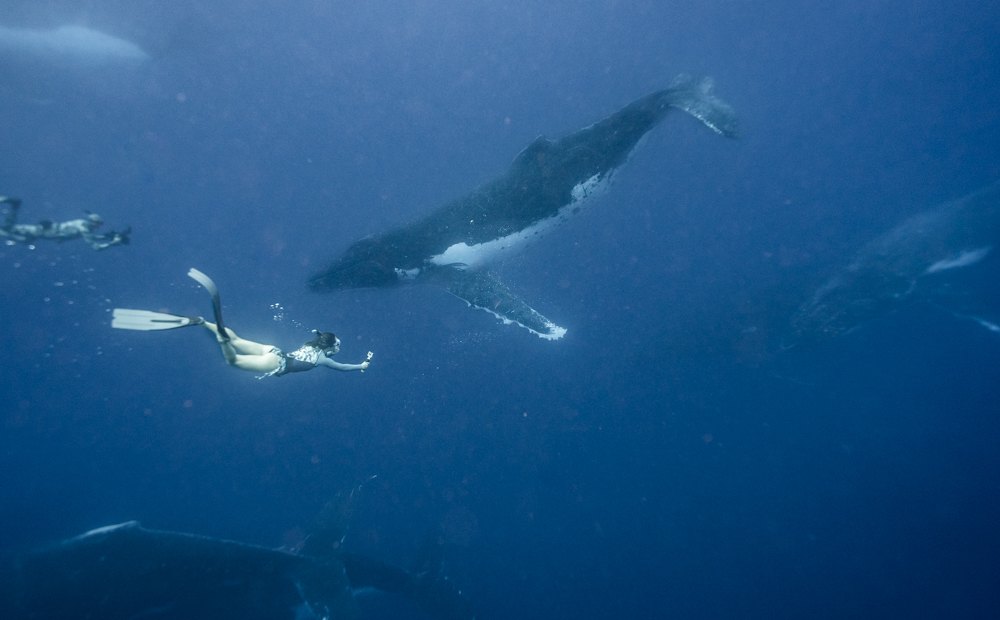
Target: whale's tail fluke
697	99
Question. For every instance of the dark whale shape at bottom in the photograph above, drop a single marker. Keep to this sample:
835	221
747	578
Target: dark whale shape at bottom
125	572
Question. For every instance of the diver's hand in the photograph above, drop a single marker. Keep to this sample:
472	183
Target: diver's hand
365	364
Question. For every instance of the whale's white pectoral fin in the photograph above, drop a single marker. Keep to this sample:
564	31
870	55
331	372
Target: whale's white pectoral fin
485	291
965	258
990	325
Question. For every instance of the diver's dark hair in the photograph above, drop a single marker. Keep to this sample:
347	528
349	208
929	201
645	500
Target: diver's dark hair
323	340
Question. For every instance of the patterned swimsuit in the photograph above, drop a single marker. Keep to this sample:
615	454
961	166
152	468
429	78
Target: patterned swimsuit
300	360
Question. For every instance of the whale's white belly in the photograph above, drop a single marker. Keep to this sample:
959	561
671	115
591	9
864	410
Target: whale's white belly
476	255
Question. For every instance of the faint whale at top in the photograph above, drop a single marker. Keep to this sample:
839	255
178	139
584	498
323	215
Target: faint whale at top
549	181
70	43
946	256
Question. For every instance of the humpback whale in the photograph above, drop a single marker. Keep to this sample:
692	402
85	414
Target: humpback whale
126	571
548	181
946	256
70	43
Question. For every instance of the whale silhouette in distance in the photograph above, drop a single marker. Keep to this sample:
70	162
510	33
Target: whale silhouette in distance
946	256
70	44
548	182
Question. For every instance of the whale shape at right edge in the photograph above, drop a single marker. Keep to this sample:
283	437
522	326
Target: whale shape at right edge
455	245
946	256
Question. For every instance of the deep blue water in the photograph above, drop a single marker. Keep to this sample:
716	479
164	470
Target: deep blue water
661	460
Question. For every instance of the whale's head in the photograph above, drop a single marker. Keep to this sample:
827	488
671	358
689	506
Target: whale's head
365	264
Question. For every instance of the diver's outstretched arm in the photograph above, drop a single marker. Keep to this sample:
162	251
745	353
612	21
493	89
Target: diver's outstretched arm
105	241
329	363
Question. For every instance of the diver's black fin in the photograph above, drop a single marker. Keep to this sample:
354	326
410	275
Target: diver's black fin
213	290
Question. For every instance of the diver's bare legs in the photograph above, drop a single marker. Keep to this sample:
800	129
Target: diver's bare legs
241	353
245	354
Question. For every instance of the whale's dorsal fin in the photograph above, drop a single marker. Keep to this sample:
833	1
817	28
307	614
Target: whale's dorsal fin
529	154
485	291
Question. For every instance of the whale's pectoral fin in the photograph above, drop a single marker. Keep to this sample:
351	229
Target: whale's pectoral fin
991	325
485	291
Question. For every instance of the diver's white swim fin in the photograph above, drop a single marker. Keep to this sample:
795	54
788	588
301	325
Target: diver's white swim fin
147	320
